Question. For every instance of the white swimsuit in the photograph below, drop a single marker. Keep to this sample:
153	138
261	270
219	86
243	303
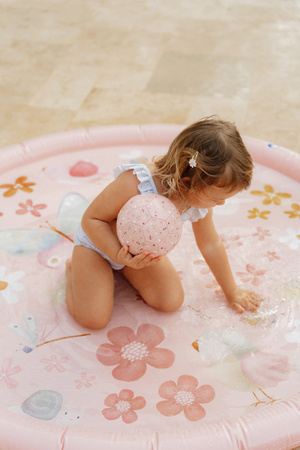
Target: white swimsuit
146	186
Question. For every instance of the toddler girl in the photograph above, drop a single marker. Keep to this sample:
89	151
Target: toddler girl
206	164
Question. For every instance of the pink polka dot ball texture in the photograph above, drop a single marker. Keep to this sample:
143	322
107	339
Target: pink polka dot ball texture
149	222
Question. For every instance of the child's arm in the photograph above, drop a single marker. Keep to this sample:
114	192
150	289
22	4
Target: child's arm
214	253
102	212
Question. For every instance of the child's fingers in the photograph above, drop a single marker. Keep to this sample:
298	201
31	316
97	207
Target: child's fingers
237	307
124	250
154	260
145	259
252	306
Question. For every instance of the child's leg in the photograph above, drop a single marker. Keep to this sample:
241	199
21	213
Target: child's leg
159	285
90	288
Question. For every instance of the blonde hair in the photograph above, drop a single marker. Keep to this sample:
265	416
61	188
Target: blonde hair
221	158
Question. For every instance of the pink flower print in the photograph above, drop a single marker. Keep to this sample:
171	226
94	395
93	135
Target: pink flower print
214	285
262	233
123	405
84	381
265	369
54	363
7	371
184	396
252	275
234	240
29	207
133	352
272	256
204	269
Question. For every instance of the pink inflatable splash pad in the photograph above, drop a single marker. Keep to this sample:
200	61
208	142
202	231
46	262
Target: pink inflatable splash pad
202	377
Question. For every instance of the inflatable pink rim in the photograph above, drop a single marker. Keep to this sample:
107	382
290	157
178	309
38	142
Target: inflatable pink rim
277	428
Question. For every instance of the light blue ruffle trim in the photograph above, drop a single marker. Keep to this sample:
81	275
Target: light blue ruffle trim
194	214
147	185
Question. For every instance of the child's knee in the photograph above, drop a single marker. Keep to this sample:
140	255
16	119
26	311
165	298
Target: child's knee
168	302
172	303
94	316
92	322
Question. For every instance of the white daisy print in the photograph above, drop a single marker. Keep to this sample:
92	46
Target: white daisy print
293	238
133	154
9	285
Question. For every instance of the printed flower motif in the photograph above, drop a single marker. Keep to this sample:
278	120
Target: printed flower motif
252	275
84	381
204	269
230	241
272	256
293	237
261	233
54	363
9	285
20	184
271	196
123	405
214	285
133	352
29	207
295	213
256	213
184	396
7	371
265	369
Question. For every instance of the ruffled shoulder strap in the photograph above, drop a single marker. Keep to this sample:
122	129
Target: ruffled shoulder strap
194	214
147	185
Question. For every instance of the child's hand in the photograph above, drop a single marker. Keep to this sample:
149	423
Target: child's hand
241	300
141	261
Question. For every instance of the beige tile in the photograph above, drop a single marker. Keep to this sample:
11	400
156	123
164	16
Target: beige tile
202	75
72	63
233	109
103	45
67	88
43	23
108	107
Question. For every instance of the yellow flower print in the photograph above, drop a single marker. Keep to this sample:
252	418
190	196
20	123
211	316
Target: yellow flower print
271	196
20	183
256	213
295	213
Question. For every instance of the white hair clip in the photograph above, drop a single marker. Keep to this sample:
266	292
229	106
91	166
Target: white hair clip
193	162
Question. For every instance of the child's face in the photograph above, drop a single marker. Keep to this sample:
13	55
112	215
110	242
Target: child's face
210	196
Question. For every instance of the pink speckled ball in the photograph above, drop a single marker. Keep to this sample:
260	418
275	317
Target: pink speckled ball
149	222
